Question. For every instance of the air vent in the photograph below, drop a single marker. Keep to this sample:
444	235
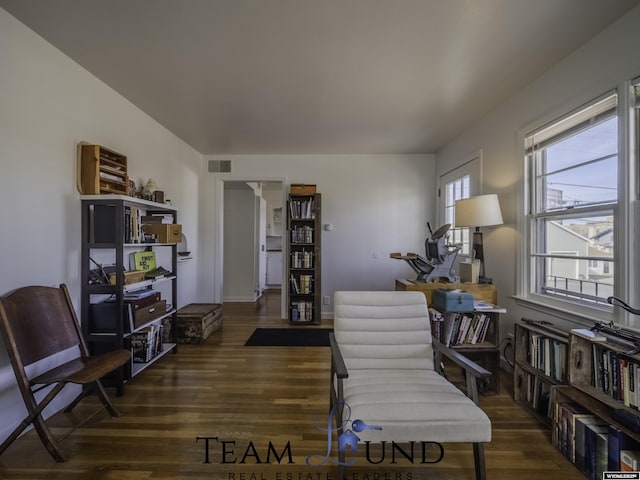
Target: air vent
219	166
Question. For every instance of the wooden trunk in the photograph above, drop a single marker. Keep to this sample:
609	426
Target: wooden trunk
197	321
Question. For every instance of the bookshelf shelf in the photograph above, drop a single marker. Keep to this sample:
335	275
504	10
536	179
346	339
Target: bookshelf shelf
541	361
113	315
303	267
475	333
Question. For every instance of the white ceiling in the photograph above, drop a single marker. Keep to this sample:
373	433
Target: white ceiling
317	76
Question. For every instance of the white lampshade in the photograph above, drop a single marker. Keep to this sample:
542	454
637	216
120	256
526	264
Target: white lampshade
480	211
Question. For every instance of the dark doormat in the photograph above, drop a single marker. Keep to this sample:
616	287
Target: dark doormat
289	337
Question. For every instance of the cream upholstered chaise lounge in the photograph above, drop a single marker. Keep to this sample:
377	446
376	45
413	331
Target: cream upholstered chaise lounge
382	373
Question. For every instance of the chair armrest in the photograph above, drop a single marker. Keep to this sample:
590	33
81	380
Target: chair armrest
338	374
473	371
459	359
337	362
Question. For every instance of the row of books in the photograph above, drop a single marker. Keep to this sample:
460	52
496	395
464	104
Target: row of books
302	209
590	443
301	312
302	259
459	328
302	234
537	394
617	375
147	343
547	355
134	219
301	284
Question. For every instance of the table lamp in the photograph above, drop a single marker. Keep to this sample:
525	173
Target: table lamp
480	211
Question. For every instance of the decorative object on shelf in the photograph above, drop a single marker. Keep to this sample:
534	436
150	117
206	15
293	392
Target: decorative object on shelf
480	211
149	189
440	256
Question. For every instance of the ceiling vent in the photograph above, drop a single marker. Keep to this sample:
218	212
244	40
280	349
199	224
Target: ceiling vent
219	166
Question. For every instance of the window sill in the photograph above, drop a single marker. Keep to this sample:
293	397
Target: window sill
567	311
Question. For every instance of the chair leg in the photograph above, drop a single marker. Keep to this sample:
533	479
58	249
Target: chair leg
478	457
49	440
104	398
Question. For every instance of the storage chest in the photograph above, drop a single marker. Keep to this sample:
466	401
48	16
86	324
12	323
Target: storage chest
197	321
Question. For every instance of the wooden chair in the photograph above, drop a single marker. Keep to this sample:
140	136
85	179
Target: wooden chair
38	322
383	374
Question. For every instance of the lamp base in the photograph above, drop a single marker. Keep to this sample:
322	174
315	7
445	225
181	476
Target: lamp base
485	280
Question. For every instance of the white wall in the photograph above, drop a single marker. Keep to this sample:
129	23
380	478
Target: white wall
240	238
377	204
48	104
598	66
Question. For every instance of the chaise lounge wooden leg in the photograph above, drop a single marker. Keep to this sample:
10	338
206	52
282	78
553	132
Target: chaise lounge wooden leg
478	457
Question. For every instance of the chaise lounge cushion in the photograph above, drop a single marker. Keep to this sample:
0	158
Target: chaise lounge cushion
385	341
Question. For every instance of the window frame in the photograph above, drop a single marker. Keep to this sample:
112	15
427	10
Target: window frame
626	276
471	166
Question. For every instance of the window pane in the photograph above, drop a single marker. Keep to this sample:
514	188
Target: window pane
456	190
581	169
592	143
589	279
592	183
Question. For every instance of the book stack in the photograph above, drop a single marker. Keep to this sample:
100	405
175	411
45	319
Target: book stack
302	234
146	343
463	328
591	443
437	321
302	312
548	355
302	209
302	285
616	375
132	225
303	259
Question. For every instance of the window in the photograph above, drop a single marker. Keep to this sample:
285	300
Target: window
459	183
573	199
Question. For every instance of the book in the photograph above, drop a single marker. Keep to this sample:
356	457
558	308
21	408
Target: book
618	441
145	261
579	438
629	460
591	447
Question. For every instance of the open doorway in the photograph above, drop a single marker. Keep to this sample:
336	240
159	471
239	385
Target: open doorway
252	232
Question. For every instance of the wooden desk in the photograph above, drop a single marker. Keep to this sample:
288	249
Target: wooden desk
484	292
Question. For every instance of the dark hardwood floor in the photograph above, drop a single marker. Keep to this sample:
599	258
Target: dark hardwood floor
246	399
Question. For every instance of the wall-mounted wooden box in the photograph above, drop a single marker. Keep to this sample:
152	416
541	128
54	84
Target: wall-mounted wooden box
102	171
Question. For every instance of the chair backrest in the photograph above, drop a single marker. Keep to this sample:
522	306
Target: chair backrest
383	330
38	322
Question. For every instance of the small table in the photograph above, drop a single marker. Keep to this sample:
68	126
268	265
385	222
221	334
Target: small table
487	353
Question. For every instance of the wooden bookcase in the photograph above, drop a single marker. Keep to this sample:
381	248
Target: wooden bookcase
304	258
485	352
603	382
541	361
112	235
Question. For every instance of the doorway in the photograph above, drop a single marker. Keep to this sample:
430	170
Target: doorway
251	253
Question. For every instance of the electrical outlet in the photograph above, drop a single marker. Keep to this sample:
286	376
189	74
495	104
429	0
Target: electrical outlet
326	300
